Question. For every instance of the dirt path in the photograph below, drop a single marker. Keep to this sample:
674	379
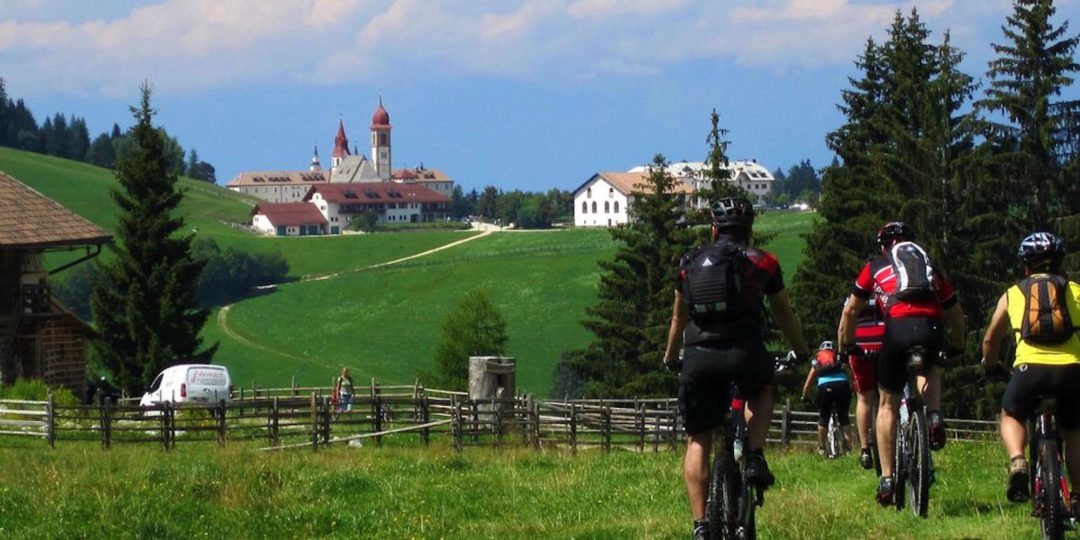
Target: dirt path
222	316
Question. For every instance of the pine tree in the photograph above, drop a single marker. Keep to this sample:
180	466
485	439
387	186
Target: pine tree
145	302
633	309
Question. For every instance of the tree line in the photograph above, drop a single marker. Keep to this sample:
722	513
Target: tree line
69	138
526	209
972	172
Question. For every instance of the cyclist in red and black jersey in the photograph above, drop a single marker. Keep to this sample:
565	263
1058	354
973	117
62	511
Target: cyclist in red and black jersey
908	322
869	333
718	315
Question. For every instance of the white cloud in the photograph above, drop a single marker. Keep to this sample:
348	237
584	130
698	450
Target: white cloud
184	45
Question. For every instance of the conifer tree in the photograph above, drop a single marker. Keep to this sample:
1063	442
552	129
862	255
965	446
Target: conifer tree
145	302
633	309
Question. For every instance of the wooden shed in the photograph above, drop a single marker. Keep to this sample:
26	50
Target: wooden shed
39	337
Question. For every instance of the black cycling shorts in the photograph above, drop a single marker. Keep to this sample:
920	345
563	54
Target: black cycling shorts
831	396
900	335
707	373
1030	381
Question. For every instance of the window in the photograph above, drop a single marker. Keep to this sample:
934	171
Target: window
610	192
616	207
584	207
594	207
588	193
607	207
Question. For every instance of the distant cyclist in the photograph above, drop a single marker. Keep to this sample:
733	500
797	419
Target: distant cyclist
718	314
869	333
916	300
833	392
1040	313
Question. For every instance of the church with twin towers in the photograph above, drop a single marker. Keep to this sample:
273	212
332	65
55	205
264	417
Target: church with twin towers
346	166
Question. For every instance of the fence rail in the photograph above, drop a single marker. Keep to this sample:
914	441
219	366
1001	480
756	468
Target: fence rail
294	417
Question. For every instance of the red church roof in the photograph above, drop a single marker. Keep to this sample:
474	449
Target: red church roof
381	118
341	142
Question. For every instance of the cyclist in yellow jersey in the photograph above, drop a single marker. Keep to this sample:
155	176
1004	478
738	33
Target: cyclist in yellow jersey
1046	363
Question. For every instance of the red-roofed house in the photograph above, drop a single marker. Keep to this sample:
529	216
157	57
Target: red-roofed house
392	202
290	219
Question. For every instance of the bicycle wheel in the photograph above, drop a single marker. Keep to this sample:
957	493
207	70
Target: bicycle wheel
900	465
1050	496
835	438
724	488
919	464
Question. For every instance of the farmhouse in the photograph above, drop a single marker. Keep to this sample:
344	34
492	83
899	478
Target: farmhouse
39	337
289	219
603	199
382	202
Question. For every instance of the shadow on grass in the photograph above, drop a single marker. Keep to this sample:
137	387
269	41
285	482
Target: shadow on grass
964	508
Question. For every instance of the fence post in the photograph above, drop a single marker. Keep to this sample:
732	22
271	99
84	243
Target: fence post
536	423
497	418
314	422
106	423
573	428
50	410
274	419
221	423
326	414
376	414
164	424
455	424
605	426
241	401
656	430
294	390
785	424
425	417
639	424
475	420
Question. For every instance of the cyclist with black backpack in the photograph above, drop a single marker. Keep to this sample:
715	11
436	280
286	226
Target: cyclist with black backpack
917	301
1041	313
719	316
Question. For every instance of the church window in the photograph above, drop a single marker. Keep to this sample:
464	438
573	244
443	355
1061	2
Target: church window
607	207
584	207
616	207
588	193
594	207
610	192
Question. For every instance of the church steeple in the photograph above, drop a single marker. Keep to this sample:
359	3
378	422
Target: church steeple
380	141
341	145
315	165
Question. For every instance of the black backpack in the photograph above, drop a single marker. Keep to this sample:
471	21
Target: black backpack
1046	319
913	270
714	284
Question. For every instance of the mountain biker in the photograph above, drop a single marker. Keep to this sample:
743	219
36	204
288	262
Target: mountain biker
718	314
1039	368
833	392
869	332
909	321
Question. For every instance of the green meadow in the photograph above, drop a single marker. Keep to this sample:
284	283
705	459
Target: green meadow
383	321
404	491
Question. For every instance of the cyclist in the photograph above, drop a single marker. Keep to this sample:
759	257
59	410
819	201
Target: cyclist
833	392
910	320
718	314
869	331
1042	366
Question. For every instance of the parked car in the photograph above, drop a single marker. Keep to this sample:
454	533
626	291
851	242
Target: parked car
190	383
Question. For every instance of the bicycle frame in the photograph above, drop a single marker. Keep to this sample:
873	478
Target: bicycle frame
912	463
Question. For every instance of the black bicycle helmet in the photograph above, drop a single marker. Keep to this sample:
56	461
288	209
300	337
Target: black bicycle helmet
733	212
894	231
1041	250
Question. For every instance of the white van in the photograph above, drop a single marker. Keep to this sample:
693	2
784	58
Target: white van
190	383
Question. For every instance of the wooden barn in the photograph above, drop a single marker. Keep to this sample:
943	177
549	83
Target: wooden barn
39	337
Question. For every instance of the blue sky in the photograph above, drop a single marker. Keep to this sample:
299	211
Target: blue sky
520	94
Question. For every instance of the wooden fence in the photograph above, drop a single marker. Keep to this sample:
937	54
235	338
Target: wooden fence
294	417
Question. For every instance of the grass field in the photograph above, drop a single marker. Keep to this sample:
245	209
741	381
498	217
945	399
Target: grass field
381	322
399	491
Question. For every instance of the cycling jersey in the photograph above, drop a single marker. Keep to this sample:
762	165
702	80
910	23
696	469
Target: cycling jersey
1060	354
827	378
877	278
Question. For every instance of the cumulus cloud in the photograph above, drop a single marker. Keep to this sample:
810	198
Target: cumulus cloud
185	45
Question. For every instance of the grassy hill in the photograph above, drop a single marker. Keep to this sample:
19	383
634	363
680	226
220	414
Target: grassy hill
381	322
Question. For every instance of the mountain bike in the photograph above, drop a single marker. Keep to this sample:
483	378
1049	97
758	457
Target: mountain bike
1049	490
834	437
913	465
732	502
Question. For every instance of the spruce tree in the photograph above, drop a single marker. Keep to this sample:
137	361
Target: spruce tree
145	302
633	309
